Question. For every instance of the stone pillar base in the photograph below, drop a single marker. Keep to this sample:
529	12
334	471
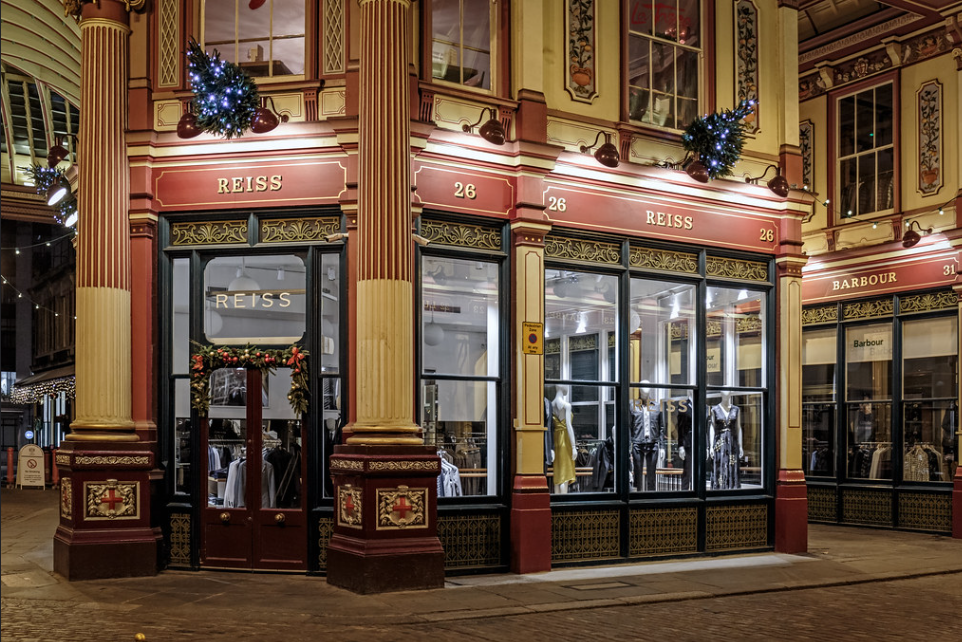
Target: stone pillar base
957	504
385	519
791	512
105	529
530	525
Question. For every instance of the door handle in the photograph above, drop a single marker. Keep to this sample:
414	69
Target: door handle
279	518
225	517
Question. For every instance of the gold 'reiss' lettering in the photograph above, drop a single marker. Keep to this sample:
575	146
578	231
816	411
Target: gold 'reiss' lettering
241	184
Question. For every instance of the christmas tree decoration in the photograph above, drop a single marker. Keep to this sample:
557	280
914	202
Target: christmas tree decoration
43	178
715	141
226	97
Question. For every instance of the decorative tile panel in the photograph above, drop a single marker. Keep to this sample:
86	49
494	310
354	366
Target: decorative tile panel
866	507
822	504
350	507
820	314
926	511
930	137
872	309
209	233
580	30
325	528
810	86
663	531
470	541
334	36
585	535
461	234
169	57
402	508
580	250
872	62
913	304
298	230
736	269
746	60
736	527
667	260
66	498
180	539
111	500
806	140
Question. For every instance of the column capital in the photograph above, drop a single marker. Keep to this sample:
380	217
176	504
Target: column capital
790	266
110	9
528	233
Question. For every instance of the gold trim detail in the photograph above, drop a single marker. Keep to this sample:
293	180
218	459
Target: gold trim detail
663	531
470	541
63	459
822	504
736	269
585	535
867	507
424	466
209	233
736	527
180	538
552	346
325	528
916	303
868	309
751	322
663	260
586	342
402	508
678	330
298	230
926	512
350	507
101	500
821	314
461	234
334	36
346	464
66	498
169	11
111	460
582	250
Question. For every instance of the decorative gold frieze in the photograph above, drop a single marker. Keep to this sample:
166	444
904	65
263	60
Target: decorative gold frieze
66	498
552	346
169	28
209	233
912	304
926	511
180	538
822	504
585	535
586	342
461	234
298	230
736	527
581	250
425	466
736	269
820	314
111	460
663	531
350	507
751	322
63	459
678	330
713	328
111	500
325	528
866	507
402	508
470	541
868	309
666	260
346	464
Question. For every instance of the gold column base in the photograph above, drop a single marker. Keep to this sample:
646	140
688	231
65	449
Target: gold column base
381	435
83	431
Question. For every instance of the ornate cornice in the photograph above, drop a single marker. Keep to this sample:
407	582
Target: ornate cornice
667	260
856	38
582	250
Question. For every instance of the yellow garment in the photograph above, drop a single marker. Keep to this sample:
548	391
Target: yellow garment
564	465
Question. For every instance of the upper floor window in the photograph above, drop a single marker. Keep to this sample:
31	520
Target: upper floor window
264	37
461	41
866	151
664	46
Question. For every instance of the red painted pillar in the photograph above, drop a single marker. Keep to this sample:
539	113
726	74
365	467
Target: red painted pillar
957	504
47	468
11	479
54	471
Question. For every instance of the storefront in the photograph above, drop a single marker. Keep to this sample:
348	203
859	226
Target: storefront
881	388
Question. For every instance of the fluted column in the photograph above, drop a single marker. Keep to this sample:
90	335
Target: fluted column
385	320
103	410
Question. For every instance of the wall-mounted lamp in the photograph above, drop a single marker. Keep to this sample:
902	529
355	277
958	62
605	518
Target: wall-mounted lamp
187	125
777	184
265	119
58	152
607	154
491	131
697	170
911	238
57	191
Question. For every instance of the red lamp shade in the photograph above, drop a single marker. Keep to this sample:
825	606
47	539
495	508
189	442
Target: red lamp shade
187	126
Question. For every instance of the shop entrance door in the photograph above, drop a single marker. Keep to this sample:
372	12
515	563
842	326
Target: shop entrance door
252	462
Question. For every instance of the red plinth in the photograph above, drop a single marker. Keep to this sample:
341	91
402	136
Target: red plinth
530	525
957	504
791	512
104	529
385	519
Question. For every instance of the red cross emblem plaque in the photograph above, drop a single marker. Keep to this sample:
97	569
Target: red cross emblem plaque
402	507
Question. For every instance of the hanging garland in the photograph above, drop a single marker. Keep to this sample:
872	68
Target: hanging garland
226	97
210	358
43	177
717	139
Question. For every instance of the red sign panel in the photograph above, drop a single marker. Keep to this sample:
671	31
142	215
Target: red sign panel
265	183
916	272
455	190
643	216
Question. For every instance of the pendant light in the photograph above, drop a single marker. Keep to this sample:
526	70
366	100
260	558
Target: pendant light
433	333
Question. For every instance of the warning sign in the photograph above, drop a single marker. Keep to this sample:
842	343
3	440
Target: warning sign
532	338
30	470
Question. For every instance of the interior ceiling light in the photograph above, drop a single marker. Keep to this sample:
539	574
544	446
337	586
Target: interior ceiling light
491	131
777	184
57	191
607	154
243	282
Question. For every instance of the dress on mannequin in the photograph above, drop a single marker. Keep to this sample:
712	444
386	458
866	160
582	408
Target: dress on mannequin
726	449
647	434
564	452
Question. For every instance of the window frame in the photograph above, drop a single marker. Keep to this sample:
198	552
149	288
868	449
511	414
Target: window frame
499	42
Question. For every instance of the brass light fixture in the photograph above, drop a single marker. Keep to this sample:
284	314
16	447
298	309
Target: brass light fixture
607	154
265	119
911	238
777	184
491	131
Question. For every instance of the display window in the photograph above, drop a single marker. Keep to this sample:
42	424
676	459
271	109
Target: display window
461	371
819	359
868	400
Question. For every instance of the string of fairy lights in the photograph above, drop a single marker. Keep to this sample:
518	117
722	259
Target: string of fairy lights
34	304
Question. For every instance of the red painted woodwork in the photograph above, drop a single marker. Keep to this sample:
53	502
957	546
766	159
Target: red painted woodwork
791	512
957	504
143	329
448	188
921	270
530	525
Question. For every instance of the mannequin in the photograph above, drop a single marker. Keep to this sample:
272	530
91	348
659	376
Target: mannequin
684	426
864	422
647	438
725	443
564	440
